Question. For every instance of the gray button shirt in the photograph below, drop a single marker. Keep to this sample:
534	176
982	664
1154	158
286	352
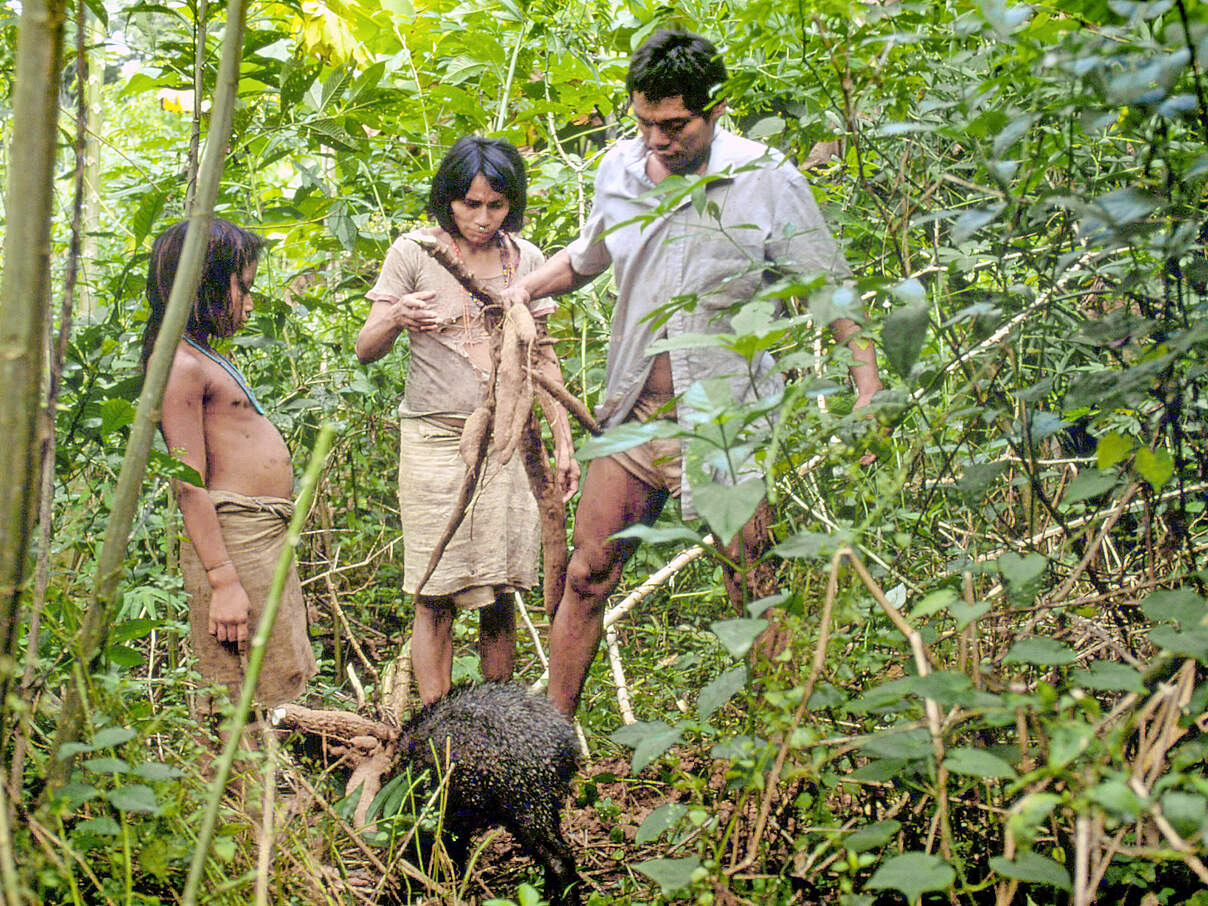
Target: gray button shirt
757	208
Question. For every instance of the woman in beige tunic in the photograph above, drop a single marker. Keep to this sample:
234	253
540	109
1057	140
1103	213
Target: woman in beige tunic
477	199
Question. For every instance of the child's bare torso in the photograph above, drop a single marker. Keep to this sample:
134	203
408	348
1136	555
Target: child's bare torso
245	452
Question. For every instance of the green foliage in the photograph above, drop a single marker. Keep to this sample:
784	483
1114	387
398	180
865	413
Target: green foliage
1020	192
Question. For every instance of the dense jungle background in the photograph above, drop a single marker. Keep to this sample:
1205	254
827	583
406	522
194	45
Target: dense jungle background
979	672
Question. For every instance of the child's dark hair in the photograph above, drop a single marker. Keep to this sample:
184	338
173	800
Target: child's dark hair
497	160
671	63
230	250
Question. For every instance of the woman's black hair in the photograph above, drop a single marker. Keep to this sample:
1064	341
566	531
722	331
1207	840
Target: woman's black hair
231	249
497	160
671	63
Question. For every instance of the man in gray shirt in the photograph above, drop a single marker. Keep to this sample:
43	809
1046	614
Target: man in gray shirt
757	210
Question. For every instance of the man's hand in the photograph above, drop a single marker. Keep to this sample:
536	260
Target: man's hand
229	607
516	295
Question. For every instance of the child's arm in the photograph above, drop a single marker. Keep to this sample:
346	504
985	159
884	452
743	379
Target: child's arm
184	433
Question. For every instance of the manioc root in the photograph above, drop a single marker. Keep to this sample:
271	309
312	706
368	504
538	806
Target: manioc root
474	436
552	510
570	402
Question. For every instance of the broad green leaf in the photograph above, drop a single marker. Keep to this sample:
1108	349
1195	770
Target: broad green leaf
967	613
972	220
934	601
1090	483
1182	605
155	770
1117	799
913	874
74	794
626	436
1111	449
1039	650
720	691
812	545
739	634
103	825
1020	571
649	740
757	608
977	763
661	535
1187	812
1155	466
903	336
1032	868
1192	643
909	745
112	736
727	509
1127	205
871	836
670	874
160	463
1110	676
910	292
107	765
658	821
976	477
71	749
134	797
1068	741
1027	816
769	126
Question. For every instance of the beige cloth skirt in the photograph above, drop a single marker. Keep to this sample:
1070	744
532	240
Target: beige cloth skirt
495	549
254	529
656	463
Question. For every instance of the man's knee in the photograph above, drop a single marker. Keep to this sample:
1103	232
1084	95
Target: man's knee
593	572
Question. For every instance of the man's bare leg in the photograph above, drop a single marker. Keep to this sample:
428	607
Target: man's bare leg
497	638
432	647
611	500
752	580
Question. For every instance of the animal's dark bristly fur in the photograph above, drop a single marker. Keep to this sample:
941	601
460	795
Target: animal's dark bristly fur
513	756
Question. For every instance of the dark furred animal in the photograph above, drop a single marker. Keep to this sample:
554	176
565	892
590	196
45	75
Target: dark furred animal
513	756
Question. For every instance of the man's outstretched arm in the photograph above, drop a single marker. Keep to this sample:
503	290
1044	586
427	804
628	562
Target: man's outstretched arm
553	278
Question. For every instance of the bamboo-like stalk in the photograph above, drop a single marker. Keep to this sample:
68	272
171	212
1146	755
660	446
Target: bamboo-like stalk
199	59
95	625
24	296
58	354
222	769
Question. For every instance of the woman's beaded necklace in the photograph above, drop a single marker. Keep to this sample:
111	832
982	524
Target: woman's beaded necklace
507	266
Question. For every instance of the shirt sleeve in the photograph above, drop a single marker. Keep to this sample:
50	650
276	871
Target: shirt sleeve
803	239
588	254
398	273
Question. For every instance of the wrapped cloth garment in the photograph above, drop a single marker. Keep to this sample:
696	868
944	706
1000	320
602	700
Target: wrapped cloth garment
496	546
254	530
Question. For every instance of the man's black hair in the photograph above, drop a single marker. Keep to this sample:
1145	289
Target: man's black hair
671	63
230	250
497	160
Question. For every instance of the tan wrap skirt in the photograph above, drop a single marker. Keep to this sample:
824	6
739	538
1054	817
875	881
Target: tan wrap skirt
254	529
495	548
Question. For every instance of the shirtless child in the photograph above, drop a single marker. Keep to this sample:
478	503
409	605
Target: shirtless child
236	524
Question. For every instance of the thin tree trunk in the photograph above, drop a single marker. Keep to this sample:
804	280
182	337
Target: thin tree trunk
58	353
200	16
24	298
94	630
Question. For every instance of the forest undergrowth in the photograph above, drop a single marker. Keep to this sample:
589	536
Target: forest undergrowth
975	669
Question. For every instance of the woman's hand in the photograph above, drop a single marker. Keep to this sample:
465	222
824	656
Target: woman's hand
412	312
566	469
